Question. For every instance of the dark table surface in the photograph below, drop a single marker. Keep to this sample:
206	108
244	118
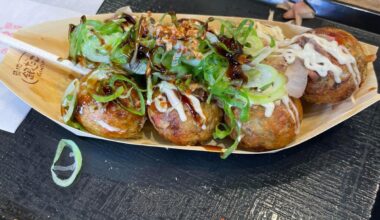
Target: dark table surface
332	176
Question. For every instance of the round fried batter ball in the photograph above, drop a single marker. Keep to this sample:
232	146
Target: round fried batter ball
190	132
261	133
322	90
109	119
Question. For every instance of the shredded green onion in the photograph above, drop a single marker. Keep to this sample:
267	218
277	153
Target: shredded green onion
140	111
100	42
272	42
76	125
119	91
75	167
127	95
69	100
226	152
138	67
222	133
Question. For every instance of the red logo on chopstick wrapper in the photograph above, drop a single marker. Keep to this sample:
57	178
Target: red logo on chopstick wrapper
29	68
7	28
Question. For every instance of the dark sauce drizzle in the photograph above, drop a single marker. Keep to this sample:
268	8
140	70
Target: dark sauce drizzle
186	101
235	58
128	18
212	148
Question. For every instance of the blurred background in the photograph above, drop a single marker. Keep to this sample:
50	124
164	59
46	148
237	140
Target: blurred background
363	14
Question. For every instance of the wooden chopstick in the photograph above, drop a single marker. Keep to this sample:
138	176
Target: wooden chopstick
20	45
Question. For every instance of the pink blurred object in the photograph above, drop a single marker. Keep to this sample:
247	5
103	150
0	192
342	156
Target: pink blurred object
297	11
297	78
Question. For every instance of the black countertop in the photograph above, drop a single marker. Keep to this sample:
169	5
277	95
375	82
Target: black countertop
332	176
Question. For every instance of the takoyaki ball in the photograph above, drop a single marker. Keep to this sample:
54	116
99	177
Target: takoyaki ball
195	128
109	119
262	133
323	90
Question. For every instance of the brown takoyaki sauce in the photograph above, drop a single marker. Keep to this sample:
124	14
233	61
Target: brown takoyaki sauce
212	148
71	28
235	58
107	90
186	101
142	52
201	94
128	19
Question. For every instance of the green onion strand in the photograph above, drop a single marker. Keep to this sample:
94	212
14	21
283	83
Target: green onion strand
75	167
108	98
140	111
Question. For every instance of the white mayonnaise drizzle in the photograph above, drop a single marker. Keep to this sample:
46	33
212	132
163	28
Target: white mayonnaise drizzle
106	126
81	110
293	111
198	109
269	108
319	63
168	89
290	106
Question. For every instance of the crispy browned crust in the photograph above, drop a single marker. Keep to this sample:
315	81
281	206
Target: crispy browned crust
324	90
88	113
268	133
188	132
